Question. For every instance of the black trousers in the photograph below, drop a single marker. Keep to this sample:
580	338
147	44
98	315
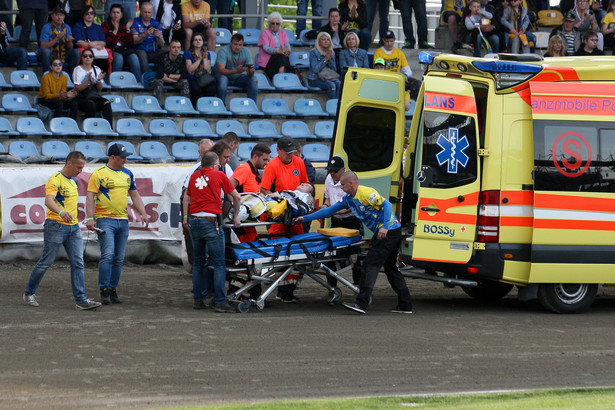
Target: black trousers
58	106
91	105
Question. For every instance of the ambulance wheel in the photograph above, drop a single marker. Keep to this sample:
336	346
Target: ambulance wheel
567	297
488	291
244	306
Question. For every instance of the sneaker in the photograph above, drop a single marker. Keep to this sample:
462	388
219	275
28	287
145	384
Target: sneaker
105	296
87	304
355	307
398	309
425	46
224	308
408	44
198	304
114	298
30	299
288	299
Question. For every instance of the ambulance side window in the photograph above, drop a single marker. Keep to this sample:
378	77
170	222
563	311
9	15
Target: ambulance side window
369	138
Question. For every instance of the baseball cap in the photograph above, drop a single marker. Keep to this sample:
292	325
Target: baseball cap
335	164
118	150
379	61
59	10
570	17
287	144
388	34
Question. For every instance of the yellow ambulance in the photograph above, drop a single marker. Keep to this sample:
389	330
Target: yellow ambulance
508	176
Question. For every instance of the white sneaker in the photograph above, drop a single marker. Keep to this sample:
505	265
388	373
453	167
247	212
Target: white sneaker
30	299
87	304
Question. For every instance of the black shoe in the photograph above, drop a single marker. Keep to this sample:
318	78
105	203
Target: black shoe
355	307
409	45
198	304
114	298
105	296
288	298
425	46
398	309
224	308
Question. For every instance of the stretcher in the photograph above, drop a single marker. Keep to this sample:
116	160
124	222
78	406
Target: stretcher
269	262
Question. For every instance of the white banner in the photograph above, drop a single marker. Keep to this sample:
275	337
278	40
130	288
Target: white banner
22	192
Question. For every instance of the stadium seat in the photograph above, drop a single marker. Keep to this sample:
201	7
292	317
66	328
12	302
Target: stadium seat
2	150
91	149
316	152
223	36
211	106
292	39
65	126
156	151
185	151
263	129
213	56
98	127
31	126
16	103
224	126
119	104
176	104
24	79
261	80
288	82
124	80
130	148
296	129
304	40
59	150
274	150
131	127
23	149
299	59
331	107
146	104
164	127
3	83
276	106
324	129
244	106
197	128
250	36
244	150
309	107
6	128
17	33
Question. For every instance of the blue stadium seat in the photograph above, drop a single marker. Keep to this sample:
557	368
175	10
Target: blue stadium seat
164	127
244	150
316	152
146	104
175	104
24	79
324	129
3	83
331	107
131	127
309	107
64	126
224	126
155	150
274	150
31	126
119	104
23	149
213	56
410	111
124	80
185	151
299	59
197	128
288	82
17	33
276	106
69	81
211	106
16	103
6	128
304	40
59	150
223	36
292	39
261	80
297	129
244	106
130	148
263	129
250	36
2	150
98	127
91	149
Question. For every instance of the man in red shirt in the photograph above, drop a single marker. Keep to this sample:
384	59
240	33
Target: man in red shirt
202	215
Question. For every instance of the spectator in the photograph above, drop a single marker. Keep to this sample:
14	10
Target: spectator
7	5
353	17
352	55
335	31
570	35
169	15
379	64
302	7
10	55
274	47
222	7
556	47
235	67
196	19
90	35
323	71
119	39
233	142
590	45
420	13
32	10
146	36
309	168
586	21
88	85
382	7
480	21
516	21
76	11
201	81
53	92
608	26
451	17
57	42
129	8
394	58
171	71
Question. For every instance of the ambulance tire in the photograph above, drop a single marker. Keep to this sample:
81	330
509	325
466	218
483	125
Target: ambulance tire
567	297
488	291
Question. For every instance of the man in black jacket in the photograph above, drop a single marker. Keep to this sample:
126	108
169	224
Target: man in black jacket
171	70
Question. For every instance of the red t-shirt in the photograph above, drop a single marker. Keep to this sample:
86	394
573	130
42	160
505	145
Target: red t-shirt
279	176
205	194
245	178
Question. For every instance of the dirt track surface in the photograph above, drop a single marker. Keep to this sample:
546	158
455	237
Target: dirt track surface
156	351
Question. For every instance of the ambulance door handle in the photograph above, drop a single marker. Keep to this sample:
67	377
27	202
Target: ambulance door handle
428	209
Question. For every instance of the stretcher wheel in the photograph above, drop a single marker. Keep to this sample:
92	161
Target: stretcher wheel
260	304
244	306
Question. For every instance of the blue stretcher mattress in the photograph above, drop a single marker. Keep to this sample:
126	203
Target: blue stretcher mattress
273	248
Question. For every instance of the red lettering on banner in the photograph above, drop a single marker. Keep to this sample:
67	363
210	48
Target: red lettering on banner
18	215
37	214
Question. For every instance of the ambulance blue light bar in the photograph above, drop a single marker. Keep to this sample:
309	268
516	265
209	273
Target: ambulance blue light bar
427	57
507	67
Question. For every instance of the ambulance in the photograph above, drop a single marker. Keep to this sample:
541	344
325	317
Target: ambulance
507	176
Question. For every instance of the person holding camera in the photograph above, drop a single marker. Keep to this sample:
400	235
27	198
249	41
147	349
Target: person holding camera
146	36
236	67
119	39
88	80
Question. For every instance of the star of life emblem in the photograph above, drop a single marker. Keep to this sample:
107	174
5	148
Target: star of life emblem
201	182
453	149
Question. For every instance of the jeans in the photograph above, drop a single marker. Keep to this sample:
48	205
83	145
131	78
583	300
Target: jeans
383	12
55	235
112	251
420	13
243	81
221	7
302	6
27	16
332	87
16	55
208	242
70	61
133	64
129	6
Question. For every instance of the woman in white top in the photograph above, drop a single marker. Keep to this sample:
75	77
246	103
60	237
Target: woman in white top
88	84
